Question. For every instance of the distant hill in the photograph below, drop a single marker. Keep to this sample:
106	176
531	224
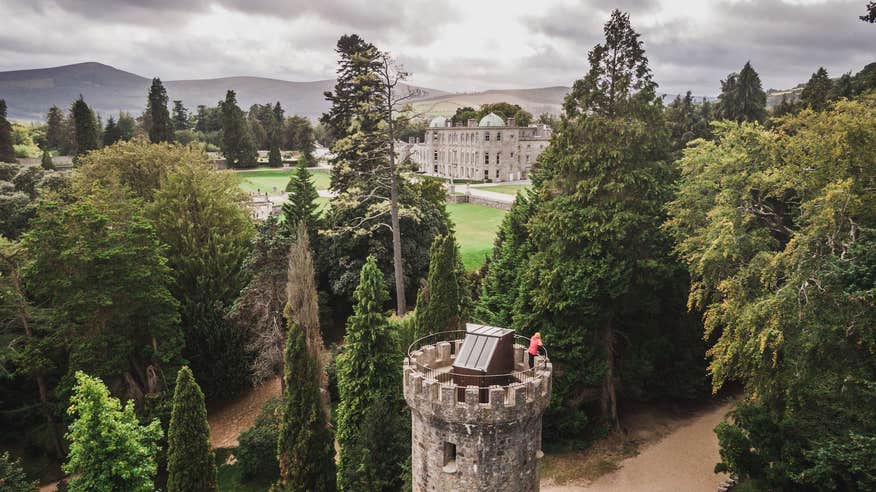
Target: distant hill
30	93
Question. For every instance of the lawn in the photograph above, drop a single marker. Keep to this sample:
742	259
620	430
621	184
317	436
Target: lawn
274	181
506	189
476	227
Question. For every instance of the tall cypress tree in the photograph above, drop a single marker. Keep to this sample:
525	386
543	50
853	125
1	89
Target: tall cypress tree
305	447
742	96
85	131
237	140
191	465
368	379
302	205
54	128
7	151
160	126
816	94
180	116
443	303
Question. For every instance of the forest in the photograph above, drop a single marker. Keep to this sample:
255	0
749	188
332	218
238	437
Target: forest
666	251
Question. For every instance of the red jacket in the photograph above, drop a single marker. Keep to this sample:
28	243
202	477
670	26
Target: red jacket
534	344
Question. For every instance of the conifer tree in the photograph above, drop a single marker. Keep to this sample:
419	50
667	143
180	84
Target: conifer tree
305	447
742	97
302	205
110	132
368	378
85	132
109	449
237	140
180	116
191	465
842	88
443	303
274	157
46	161
816	94
160	126
7	151
54	128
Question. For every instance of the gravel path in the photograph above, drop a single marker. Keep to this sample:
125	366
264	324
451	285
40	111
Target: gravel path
683	460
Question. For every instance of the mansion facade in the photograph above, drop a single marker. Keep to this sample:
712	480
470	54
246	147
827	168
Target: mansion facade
492	150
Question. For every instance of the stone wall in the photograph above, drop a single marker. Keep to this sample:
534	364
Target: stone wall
495	442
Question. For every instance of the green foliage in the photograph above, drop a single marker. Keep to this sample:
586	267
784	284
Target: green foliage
12	477
816	94
85	128
191	466
7	151
503	109
302	205
20	186
181	120
160	125
299	135
742	97
109	449
686	121
257	449
443	302
111	133
238	143
777	227
372	451
55	130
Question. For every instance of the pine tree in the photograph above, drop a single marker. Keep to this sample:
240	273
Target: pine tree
46	161
7	151
842	88
54	128
368	378
109	449
85	132
191	465
180	116
160	126
816	94
111	132
237	140
443	303
302	205
275	135
305	446
742	97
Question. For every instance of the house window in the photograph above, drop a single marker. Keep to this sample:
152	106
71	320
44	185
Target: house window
497	173
449	457
498	155
486	136
512	154
435	169
486	158
498	136
436	155
486	174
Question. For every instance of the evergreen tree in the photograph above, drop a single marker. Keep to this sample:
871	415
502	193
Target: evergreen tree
111	132
46	161
109	449
305	446
191	465
125	126
274	157
7	151
302	205
180	116
686	122
742	97
443	302
160	127
85	128
237	140
54	129
842	88
816	94
785	107
368	379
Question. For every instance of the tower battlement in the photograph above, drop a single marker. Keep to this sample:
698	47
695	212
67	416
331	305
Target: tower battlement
476	409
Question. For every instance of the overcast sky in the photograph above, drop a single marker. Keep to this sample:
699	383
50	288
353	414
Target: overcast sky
454	45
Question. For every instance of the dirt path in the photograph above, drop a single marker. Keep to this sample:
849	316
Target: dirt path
683	459
228	420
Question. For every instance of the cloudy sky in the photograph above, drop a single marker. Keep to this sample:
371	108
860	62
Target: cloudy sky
454	45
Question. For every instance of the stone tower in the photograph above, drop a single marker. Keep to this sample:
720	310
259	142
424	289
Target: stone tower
475	428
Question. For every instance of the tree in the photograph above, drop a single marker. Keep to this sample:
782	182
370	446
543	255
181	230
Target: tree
302	205
505	111
13	478
109	449
160	127
368	379
125	126
274	138
54	128
463	114
816	94
191	466
685	121
85	133
871	13
305	446
443	302
7	151
785	107
111	133
777	228
180	116
237	140
742	97
299	134
46	161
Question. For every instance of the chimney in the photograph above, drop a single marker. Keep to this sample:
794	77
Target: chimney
512	122
471	123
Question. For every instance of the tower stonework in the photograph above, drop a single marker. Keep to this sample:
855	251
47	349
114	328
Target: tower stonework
484	437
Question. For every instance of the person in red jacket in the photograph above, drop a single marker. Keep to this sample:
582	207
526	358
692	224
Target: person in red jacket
534	344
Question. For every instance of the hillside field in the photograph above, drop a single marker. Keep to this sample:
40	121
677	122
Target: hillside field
265	180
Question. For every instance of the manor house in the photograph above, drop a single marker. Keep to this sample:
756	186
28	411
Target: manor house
492	150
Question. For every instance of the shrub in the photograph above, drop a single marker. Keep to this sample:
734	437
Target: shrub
12	477
257	449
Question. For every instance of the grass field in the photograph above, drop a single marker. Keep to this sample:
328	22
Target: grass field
506	189
265	180
476	227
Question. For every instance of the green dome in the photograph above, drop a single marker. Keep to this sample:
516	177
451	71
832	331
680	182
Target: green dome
438	122
491	119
